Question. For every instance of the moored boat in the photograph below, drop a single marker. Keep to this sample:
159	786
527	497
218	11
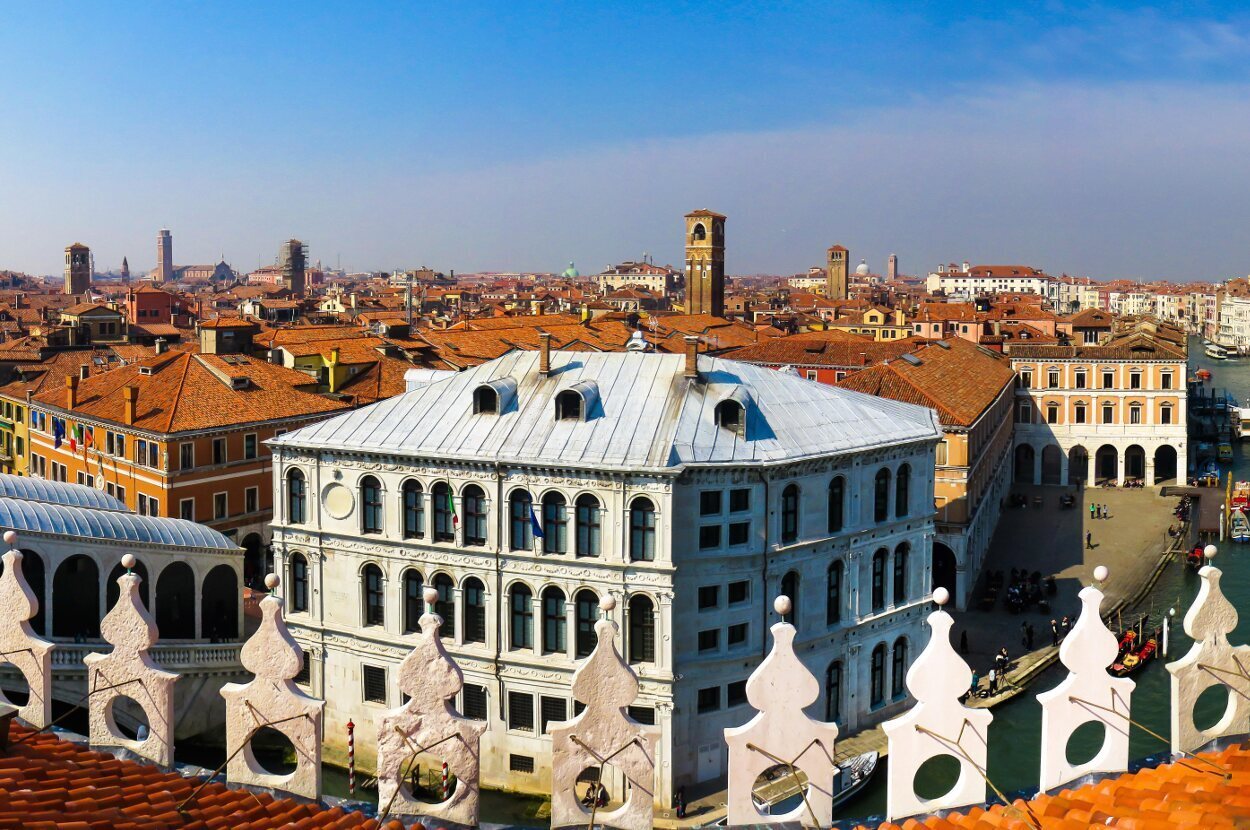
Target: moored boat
1133	662
1239	527
1194	559
1225	451
1203	374
1240	497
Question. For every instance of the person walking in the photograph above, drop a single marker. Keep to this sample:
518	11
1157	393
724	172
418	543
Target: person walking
1089	540
1092	508
993	677
1054	633
974	690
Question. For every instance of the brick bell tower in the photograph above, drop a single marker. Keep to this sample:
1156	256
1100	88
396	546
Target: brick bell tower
836	272
705	263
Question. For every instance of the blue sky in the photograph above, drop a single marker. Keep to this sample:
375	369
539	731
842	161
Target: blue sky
1106	140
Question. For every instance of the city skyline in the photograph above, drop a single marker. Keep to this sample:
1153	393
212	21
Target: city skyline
1099	142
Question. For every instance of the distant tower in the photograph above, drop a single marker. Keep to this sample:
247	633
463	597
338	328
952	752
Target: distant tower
836	268
292	256
77	269
164	256
705	263
125	270
891	267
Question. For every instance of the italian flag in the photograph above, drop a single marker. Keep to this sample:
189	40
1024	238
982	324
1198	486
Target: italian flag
75	435
451	508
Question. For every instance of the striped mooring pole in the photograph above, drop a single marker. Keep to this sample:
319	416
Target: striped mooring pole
351	758
444	781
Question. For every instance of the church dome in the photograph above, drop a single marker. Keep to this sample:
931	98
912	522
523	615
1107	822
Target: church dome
570	272
862	268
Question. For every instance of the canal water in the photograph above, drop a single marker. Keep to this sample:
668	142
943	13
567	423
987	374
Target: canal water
1014	736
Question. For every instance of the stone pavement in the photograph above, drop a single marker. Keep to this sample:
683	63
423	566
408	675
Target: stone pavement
1049	539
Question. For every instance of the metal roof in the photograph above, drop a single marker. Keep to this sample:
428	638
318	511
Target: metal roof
55	492
113	525
650	416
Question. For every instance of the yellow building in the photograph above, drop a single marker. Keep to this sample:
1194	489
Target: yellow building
879	323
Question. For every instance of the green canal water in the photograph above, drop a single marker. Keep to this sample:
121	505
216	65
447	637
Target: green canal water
1015	734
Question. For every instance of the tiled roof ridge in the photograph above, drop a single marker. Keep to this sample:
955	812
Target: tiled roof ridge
182	382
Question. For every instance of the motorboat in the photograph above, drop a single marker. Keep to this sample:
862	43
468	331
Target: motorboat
1225	451
1239	527
853	775
1209	476
1216	352
1203	375
1239	499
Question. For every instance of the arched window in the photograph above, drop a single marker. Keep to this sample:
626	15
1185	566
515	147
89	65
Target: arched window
877	685
902	491
790	514
370	505
588	521
699	233
485	400
474	593
444	523
833	692
555	640
899	669
833	593
555	524
837	504
881	496
900	573
520	522
299	583
414	510
878	580
568	406
790	588
642	530
296	498
641	629
587	611
371	579
521	603
414	602
474	501
445	605
731	415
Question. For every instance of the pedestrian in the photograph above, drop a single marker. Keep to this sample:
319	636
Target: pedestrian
681	802
1106	512
963	642
1054	633
993	676
1065	625
1091	511
974	689
1089	540
1098	512
1028	637
1006	661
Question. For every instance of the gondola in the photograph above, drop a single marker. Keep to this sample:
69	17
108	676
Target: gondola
1194	560
1133	662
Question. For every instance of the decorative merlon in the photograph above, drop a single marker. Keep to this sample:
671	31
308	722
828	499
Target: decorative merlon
1087	694
20	647
129	671
272	699
781	734
427	726
937	725
1211	661
604	735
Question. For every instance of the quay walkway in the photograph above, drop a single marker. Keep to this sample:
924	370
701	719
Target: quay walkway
1133	543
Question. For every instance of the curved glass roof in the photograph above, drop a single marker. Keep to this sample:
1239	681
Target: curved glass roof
115	525
55	492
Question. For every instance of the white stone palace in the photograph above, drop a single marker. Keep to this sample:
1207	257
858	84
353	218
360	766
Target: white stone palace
528	490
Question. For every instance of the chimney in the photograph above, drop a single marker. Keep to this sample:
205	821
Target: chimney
84	371
71	391
130	397
160	345
544	353
692	356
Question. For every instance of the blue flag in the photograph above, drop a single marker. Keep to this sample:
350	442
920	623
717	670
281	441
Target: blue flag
535	524
58	432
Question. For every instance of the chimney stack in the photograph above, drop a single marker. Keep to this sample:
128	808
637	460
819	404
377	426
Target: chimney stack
544	353
84	371
692	356
160	345
130	396
71	391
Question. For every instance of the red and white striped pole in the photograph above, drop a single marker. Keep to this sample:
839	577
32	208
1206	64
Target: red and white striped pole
351	758
444	781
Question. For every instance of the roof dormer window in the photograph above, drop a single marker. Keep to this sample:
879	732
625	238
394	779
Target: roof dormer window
494	397
569	406
485	401
731	415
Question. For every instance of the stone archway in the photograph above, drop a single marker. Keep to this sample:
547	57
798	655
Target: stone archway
1052	464
1165	464
175	602
1078	465
219	605
944	568
1026	459
253	561
76	598
1135	462
1106	464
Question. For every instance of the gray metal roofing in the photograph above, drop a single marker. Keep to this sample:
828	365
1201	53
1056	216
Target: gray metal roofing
649	416
55	492
69	520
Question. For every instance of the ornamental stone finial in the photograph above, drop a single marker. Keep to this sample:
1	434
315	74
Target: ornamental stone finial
132	673
272	699
22	648
432	679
